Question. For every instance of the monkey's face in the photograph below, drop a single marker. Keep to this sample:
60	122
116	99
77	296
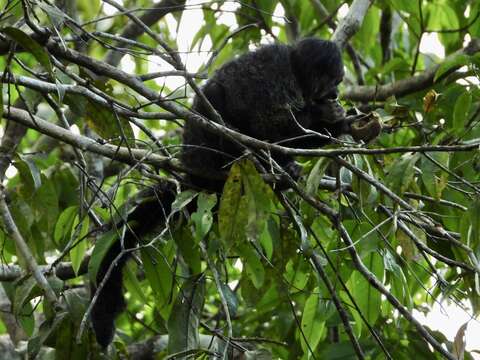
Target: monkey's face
325	89
318	66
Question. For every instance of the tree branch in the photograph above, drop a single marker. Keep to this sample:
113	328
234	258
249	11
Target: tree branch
133	30
23	249
352	22
84	143
406	86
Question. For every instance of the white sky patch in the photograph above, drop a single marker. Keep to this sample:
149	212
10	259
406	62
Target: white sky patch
466	40
11	172
109	9
227	16
127	64
448	318
431	45
343	11
279	14
74	129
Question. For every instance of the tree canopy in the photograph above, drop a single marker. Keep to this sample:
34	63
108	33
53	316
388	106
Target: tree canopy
94	97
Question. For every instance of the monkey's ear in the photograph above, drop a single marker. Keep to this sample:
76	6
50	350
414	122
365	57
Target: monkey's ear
366	127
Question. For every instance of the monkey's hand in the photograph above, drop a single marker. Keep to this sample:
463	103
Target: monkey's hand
328	111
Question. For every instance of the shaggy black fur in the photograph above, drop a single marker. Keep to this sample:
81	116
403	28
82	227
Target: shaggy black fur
150	214
262	94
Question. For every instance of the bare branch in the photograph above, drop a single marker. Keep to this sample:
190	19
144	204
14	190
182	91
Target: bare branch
352	22
24	250
150	17
405	86
84	143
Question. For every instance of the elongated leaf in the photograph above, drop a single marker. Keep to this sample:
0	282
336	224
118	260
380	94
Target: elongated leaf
102	245
253	265
185	317
461	111
367	297
30	45
203	217
313	321
232	215
159	274
77	253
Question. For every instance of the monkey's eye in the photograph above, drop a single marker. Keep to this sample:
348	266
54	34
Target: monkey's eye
332	95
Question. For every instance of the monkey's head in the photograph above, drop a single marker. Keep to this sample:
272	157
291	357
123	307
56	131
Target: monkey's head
318	66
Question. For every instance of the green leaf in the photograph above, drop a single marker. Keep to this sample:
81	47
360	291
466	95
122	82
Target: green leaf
47	330
77	253
132	284
233	214
266	240
259	196
63	227
203	217
185	317
253	266
367	297
108	125
316	175
159	273
1	100
102	245
230	298
183	199
297	273
461	111
401	173
474	215
30	45
45	204
451	64
434	178
29	173
24	292
189	250
313	321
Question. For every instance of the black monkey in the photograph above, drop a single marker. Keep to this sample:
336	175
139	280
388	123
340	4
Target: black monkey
270	94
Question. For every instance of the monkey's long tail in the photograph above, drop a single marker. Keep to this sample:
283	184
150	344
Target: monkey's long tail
148	216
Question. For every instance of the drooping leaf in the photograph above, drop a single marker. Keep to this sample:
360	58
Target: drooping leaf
461	111
184	319
367	297
233	215
30	45
203	217
102	245
79	242
313	321
159	273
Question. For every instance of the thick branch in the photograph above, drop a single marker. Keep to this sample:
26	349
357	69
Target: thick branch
32	265
405	86
46	87
63	270
82	142
351	23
